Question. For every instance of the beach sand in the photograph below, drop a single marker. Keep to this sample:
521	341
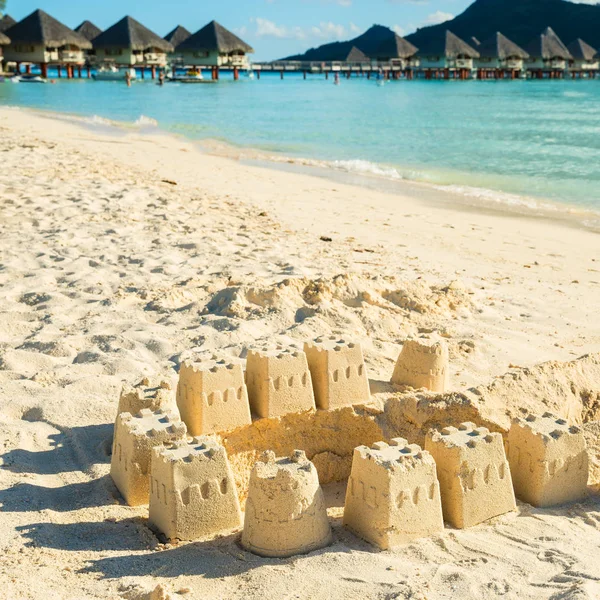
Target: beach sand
121	250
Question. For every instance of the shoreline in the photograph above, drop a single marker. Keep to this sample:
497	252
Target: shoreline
460	197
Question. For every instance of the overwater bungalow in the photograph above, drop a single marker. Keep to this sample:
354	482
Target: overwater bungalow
585	61
4	41
177	35
398	52
447	57
129	44
89	31
6	22
548	56
500	58
40	39
214	46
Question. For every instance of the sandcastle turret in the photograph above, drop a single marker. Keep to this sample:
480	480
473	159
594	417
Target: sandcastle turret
473	472
548	460
278	381
285	509
393	495
423	364
338	372
134	438
212	395
147	393
192	491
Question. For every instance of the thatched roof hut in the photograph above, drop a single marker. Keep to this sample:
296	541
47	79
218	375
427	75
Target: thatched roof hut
214	37
356	56
396	47
6	22
448	45
40	29
129	33
178	35
88	30
500	47
580	50
547	46
4	39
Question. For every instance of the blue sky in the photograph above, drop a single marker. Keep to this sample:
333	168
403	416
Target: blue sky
275	28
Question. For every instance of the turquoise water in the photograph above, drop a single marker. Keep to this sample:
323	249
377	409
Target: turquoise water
498	140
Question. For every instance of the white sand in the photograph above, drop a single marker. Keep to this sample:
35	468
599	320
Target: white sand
107	274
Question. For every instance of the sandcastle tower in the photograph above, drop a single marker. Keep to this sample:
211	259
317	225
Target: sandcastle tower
278	381
192	491
393	494
548	460
148	393
285	510
212	396
423	364
474	475
134	438
338	372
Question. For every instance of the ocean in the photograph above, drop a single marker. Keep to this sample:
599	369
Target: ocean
520	143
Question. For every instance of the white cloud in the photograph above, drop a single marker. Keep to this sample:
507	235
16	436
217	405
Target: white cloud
326	30
399	30
436	18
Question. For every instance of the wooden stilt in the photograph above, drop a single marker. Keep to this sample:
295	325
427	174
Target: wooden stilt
236	74
28	69
217	73
89	72
153	72
79	71
281	74
257	74
304	75
44	70
59	71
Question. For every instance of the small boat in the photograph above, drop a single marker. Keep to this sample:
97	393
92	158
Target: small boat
113	74
191	76
28	78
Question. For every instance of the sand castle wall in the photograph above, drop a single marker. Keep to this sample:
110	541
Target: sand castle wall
473	472
548	460
393	495
134	438
192	490
212	395
338	372
278	381
423	364
285	512
152	394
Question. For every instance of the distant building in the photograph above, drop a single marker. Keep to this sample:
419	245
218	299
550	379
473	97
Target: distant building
4	41
447	56
176	37
397	51
41	39
89	31
548	56
585	61
129	43
499	57
214	46
6	22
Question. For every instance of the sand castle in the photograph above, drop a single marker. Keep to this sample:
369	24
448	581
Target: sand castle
285	510
134	438
393	495
212	395
338	372
548	460
192	491
148	393
423	364
278	381
473	472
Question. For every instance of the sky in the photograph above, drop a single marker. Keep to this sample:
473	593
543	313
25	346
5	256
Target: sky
274	28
